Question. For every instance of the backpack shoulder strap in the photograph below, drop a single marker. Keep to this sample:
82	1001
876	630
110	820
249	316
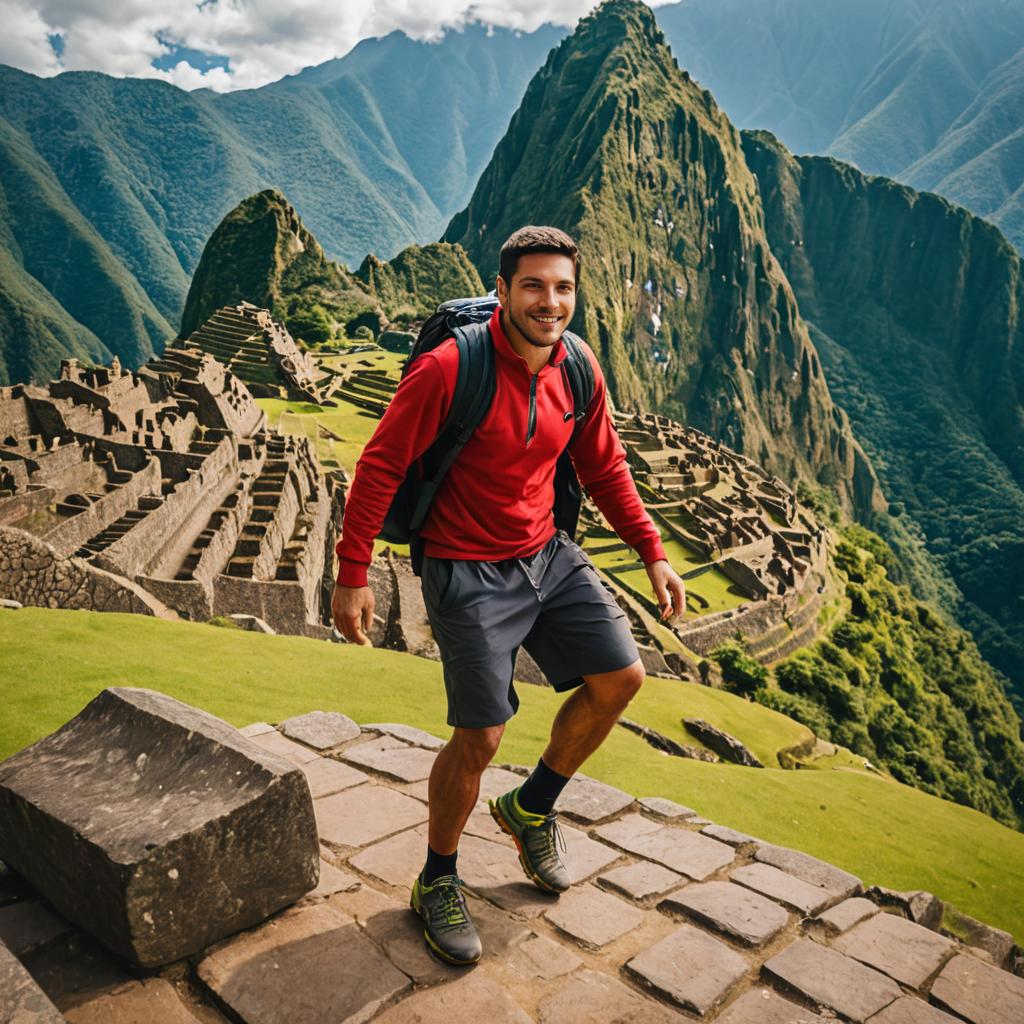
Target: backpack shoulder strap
475	384
580	376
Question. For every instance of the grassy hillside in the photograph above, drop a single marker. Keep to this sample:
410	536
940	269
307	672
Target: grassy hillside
54	662
898	684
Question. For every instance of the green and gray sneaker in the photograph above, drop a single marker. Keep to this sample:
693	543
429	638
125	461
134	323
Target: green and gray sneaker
447	926
538	838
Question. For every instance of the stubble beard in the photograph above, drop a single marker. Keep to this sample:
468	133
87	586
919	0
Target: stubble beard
526	334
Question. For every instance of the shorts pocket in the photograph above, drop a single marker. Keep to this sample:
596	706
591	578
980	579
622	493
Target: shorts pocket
445	578
579	556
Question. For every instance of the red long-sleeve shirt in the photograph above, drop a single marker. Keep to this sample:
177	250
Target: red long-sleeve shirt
496	499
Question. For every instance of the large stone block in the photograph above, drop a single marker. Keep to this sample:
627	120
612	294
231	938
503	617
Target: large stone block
176	831
689	968
979	992
592	998
763	1006
739	913
592	917
310	965
905	951
839	883
826	977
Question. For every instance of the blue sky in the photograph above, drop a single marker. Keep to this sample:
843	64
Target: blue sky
235	44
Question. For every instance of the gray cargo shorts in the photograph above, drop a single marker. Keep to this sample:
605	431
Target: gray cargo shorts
553	603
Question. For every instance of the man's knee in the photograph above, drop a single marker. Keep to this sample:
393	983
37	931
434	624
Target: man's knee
616	689
476	747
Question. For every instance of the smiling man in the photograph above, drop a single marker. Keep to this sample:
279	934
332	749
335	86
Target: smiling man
498	575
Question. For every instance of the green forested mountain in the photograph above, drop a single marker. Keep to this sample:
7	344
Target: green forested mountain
915	308
378	149
262	253
899	685
682	296
63	291
926	91
130	177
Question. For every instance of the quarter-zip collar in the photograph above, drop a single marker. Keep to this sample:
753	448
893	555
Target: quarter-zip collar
505	350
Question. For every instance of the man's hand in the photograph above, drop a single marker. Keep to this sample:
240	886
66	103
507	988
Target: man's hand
669	589
352	610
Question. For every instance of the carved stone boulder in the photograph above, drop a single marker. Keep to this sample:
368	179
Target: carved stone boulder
157	827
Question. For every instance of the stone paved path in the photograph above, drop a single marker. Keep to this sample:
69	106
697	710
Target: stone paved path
670	919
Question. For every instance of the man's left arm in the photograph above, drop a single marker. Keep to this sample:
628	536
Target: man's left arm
600	462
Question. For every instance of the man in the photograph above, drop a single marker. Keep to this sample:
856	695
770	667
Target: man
497	574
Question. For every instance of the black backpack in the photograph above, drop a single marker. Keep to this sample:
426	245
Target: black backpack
466	321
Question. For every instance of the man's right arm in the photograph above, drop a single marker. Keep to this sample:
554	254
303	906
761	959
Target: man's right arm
409	426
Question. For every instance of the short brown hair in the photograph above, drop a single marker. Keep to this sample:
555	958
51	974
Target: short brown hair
536	239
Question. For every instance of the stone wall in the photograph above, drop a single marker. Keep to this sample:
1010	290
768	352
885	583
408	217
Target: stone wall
95	517
34	573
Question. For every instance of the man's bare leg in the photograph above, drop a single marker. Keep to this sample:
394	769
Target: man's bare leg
587	716
582	722
454	785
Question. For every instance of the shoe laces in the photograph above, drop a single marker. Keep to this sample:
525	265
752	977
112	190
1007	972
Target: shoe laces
450	908
548	838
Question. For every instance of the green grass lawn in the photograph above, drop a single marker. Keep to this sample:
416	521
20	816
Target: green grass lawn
664	703
712	591
53	662
381	359
353	425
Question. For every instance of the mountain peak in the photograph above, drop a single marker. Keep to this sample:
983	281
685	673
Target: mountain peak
260	251
681	297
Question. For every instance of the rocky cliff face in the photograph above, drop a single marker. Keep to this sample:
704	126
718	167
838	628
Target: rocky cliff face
915	307
682	298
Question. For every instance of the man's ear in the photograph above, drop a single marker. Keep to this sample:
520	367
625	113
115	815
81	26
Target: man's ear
501	288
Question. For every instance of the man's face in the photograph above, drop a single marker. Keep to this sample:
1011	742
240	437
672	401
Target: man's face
541	298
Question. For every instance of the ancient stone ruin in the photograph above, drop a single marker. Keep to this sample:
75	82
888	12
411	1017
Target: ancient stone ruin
670	918
741	518
257	349
163	491
164	483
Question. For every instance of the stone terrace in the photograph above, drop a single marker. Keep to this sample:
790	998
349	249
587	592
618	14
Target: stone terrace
735	518
744	521
165	480
671	918
259	350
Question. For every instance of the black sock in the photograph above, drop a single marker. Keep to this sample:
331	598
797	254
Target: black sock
438	864
538	793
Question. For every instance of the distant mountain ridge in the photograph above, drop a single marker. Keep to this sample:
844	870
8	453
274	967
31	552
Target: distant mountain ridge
930	92
379	149
143	172
263	253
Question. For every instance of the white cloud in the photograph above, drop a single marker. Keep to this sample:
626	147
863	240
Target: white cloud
24	42
263	40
